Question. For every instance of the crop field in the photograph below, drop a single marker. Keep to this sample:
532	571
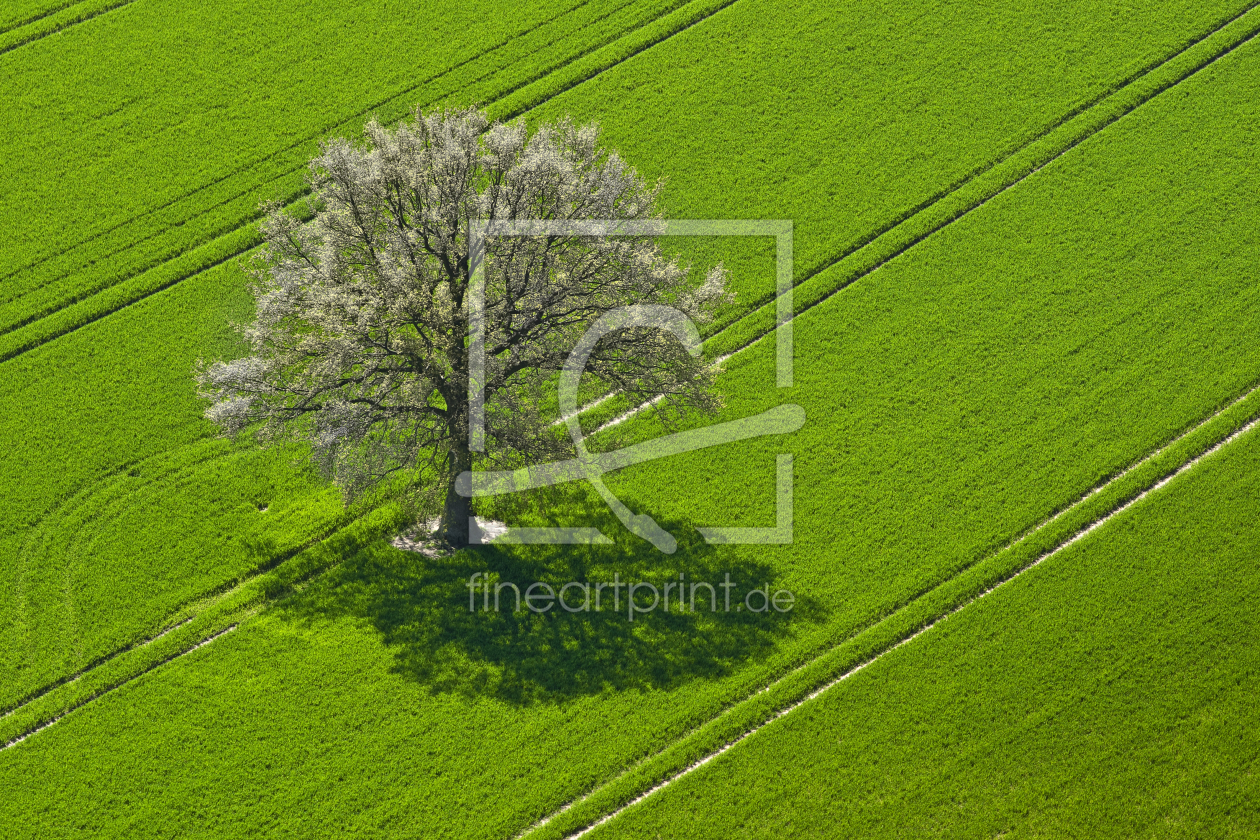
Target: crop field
1017	714
1025	319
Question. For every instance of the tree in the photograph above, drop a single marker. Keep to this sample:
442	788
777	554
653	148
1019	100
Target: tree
361	334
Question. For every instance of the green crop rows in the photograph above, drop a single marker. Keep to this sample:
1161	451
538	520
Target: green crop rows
1018	714
1025	249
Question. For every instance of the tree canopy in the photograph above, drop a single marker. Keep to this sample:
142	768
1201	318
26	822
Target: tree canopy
360	342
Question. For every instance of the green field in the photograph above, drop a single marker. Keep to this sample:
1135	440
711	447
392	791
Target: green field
1025	250
1104	693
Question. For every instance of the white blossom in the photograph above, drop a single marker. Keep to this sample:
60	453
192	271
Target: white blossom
359	341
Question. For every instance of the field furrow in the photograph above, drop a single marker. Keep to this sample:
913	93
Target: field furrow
57	22
228	204
807	682
197	263
974	403
68	308
1105	694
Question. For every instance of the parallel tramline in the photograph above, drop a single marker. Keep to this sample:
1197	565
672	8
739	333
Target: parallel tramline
56	290
226	206
1044	329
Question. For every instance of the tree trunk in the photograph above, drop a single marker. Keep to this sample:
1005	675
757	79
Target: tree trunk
453	529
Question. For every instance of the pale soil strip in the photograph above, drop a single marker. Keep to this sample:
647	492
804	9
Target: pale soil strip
1030	532
582	409
198	607
139	646
1079	535
195	608
1021	538
19	739
621	418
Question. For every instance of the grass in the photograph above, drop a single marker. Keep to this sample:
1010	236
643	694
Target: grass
180	182
1105	693
961	393
125	527
133	251
98	374
834	132
224	511
959	411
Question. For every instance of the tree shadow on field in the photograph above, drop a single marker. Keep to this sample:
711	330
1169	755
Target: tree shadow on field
420	607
